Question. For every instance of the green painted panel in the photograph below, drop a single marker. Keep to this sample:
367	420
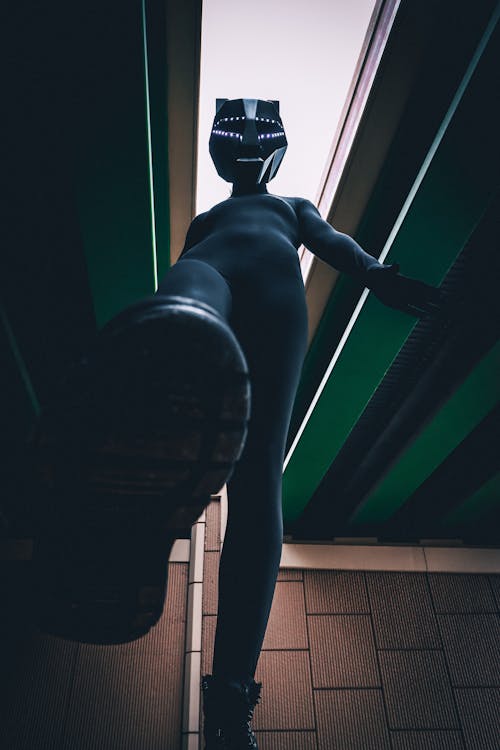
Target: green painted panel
468	405
435	231
112	161
443	213
477	505
332	325
435	86
361	365
116	235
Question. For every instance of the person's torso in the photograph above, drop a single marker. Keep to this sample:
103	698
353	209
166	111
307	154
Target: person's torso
248	217
250	234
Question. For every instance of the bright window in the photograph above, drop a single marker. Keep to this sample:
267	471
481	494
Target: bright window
301	53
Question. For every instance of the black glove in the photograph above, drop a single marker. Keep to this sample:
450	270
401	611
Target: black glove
405	294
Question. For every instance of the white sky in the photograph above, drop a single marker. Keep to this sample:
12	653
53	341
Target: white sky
300	52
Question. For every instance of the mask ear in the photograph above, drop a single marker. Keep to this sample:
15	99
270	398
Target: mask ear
219	103
276	104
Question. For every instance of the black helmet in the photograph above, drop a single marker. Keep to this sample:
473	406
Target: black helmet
247	134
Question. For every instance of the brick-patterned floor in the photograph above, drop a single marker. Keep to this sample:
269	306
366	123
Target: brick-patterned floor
351	661
59	695
373	661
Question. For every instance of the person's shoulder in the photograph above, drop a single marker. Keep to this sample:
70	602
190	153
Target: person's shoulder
305	210
297	202
199	218
197	228
204	215
216	206
293	201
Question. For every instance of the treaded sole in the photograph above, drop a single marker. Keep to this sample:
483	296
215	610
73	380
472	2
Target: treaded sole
143	433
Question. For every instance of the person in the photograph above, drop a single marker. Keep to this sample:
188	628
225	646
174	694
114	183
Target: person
242	257
239	274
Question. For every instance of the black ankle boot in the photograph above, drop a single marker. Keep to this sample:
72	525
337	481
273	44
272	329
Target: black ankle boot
228	709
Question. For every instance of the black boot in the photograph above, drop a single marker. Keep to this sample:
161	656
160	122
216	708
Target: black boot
228	709
144	430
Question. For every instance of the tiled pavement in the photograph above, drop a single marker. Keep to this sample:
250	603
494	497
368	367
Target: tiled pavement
59	695
357	660
351	660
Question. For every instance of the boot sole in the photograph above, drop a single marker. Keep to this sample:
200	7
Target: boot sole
143	433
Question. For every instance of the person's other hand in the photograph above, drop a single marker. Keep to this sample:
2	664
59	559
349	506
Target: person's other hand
402	293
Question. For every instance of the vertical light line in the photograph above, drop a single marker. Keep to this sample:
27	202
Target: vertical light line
20	362
402	215
150	149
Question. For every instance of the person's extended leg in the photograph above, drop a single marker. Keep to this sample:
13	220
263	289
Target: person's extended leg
145	429
199	281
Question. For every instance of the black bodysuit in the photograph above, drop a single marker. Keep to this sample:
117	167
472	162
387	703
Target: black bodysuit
241	258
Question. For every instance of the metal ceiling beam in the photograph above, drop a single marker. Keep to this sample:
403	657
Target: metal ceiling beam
369	179
135	144
110	145
474	511
446	501
437	356
348	385
462	412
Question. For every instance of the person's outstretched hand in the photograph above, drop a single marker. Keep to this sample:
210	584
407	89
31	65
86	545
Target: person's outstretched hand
409	295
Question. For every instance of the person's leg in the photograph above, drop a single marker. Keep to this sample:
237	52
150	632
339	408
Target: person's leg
273	337
145	429
199	281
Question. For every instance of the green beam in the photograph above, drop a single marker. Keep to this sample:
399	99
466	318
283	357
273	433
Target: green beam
476	506
463	411
443	208
112	159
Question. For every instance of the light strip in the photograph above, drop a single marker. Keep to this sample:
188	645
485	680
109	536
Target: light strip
150	150
402	215
326	376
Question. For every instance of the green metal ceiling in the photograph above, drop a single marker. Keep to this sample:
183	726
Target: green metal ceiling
464	410
451	191
481	502
98	229
88	162
122	158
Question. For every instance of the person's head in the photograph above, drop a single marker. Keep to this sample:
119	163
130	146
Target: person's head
248	140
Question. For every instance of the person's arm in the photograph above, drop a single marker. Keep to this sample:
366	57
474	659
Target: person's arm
343	253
